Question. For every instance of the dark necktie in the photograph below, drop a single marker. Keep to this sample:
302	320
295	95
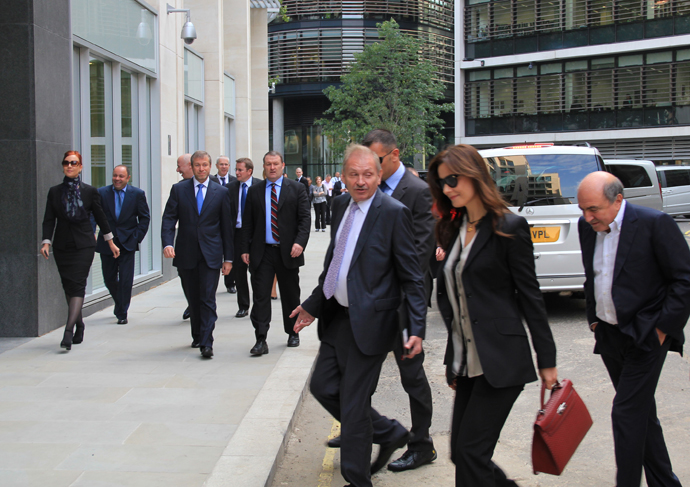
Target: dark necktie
338	254
274	213
244	198
118	202
384	187
222	180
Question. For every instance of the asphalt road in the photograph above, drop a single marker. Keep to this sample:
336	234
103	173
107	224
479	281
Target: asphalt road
308	462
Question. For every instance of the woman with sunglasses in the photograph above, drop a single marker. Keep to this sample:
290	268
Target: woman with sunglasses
70	204
486	286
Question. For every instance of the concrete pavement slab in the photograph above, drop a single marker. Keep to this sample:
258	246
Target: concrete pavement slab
135	405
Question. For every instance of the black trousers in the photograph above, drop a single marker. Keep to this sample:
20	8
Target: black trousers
479	413
343	381
238	275
262	282
329	202
416	385
118	275
320	215
200	285
637	435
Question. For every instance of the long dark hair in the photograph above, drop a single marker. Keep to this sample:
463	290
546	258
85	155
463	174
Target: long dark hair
464	160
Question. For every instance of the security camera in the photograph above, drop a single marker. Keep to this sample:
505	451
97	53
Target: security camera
188	31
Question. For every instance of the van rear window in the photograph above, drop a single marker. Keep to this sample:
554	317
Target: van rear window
540	179
679	177
630	176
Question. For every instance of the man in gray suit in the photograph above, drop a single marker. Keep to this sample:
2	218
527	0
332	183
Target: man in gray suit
371	260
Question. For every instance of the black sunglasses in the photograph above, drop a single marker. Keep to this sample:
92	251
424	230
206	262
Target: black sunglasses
451	181
70	163
382	158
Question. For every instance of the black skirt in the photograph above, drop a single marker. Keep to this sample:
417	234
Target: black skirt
74	265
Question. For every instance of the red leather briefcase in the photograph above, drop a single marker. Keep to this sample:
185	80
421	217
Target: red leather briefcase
561	425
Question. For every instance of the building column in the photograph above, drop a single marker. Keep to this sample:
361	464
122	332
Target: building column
36	128
278	125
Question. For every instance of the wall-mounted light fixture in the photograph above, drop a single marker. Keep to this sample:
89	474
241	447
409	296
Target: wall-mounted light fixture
188	33
530	66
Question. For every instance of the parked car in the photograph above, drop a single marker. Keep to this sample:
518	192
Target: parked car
675	189
640	181
540	182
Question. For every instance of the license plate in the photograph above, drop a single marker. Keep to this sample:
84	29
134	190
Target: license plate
545	234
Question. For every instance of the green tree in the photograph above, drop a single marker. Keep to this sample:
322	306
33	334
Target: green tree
388	86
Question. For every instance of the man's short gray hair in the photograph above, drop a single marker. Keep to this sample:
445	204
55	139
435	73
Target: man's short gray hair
612	189
353	149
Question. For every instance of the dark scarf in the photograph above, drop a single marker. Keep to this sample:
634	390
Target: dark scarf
71	199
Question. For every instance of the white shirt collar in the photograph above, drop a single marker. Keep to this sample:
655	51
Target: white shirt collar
248	182
365	204
204	184
617	222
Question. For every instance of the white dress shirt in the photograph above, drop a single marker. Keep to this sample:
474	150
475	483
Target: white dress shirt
340	293
604	262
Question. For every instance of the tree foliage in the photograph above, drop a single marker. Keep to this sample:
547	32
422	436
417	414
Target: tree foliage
388	86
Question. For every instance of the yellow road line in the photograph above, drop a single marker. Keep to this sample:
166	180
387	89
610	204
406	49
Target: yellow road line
326	475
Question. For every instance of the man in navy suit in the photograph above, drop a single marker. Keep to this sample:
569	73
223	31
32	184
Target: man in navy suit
370	262
204	244
244	170
637	268
128	215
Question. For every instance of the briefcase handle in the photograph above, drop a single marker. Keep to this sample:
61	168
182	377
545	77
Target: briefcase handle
555	387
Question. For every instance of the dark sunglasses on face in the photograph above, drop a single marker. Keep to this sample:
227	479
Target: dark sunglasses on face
70	163
382	158
451	181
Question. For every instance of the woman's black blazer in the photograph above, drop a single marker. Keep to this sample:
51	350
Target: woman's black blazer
501	288
80	232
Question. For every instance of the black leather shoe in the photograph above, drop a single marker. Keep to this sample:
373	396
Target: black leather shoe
66	342
206	352
387	450
195	344
232	289
333	442
260	348
412	459
241	313
122	322
78	335
185	315
293	341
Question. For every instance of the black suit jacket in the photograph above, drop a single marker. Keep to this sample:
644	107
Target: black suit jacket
228	179
130	229
81	232
501	288
383	265
651	279
304	181
234	190
415	194
210	232
294	222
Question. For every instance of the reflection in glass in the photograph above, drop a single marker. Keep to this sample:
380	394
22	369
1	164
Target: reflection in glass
97	97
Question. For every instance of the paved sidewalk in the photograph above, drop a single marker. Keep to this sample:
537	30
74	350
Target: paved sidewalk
135	405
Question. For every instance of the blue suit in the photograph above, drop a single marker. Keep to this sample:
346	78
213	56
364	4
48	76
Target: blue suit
203	242
128	232
651	289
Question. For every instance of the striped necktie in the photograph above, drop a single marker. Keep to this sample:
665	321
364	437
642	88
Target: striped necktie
274	213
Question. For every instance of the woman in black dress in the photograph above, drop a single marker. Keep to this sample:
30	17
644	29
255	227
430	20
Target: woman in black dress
70	205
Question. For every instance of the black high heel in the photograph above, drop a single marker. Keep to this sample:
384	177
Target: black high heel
78	334
66	342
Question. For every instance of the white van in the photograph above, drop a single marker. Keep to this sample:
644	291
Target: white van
540	183
675	189
640	181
